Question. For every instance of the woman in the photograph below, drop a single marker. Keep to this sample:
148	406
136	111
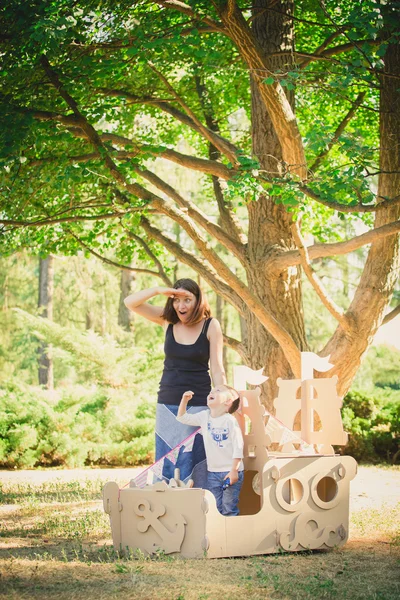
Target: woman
193	343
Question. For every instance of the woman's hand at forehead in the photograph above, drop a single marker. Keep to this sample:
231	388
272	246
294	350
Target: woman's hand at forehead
175	293
182	293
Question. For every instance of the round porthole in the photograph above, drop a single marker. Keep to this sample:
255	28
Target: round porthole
290	494
325	491
292	491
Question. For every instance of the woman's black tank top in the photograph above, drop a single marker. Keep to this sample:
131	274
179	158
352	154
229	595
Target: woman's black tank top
186	368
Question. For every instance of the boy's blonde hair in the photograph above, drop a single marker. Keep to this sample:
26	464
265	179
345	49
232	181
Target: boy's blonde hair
235	399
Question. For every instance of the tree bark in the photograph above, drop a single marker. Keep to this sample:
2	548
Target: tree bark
269	223
45	305
270	298
125	316
272	28
381	270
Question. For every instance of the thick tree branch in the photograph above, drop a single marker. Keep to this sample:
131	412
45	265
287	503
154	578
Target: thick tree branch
321	47
178	216
391	315
316	283
203	165
338	132
196	263
196	214
329	52
46	115
209	167
166	106
75	126
51	221
292	257
273	95
349	208
89	131
234	345
204	247
168	209
131	41
97	141
218	142
188	10
354	43
107	261
152	256
227	218
264	316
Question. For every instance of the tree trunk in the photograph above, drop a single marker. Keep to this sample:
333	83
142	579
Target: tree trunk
89	318
103	311
269	223
125	316
381	270
45	305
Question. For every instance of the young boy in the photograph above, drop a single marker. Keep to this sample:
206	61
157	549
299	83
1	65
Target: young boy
223	442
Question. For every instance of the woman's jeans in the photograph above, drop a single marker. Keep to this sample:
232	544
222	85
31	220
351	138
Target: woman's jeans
227	500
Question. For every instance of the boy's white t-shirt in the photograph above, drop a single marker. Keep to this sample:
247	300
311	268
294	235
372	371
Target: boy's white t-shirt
223	440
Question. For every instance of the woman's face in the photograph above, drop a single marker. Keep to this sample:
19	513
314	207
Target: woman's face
184	304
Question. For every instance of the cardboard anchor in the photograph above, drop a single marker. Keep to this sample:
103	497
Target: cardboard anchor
295	494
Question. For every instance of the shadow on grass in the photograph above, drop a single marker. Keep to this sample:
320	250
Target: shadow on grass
77	524
95	552
66	570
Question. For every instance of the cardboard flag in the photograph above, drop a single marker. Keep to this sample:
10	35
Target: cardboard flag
311	362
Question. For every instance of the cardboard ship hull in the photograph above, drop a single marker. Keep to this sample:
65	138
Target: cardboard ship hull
295	494
294	503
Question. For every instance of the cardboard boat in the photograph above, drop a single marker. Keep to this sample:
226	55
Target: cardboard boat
295	494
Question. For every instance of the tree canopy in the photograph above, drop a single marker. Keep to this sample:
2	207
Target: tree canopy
287	112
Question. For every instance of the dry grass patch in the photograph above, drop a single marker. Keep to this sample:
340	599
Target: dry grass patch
50	491
55	544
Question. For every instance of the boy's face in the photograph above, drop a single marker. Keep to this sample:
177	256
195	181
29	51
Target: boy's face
219	396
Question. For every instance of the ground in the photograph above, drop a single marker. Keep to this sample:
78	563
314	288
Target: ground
55	543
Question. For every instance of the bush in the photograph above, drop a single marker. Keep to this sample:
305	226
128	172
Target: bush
73	428
373	425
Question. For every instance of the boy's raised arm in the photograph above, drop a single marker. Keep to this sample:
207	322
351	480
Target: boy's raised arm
185	417
187	396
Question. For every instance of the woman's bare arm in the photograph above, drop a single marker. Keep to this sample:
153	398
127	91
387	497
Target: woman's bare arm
137	303
216	345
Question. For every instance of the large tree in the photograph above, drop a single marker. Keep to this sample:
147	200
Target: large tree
95	94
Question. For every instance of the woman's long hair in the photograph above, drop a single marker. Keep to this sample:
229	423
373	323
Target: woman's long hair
201	310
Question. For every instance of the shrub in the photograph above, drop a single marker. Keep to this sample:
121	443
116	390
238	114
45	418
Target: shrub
73	428
373	426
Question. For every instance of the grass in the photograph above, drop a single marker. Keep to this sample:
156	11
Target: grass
55	544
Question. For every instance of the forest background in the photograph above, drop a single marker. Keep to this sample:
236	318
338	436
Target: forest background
99	101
